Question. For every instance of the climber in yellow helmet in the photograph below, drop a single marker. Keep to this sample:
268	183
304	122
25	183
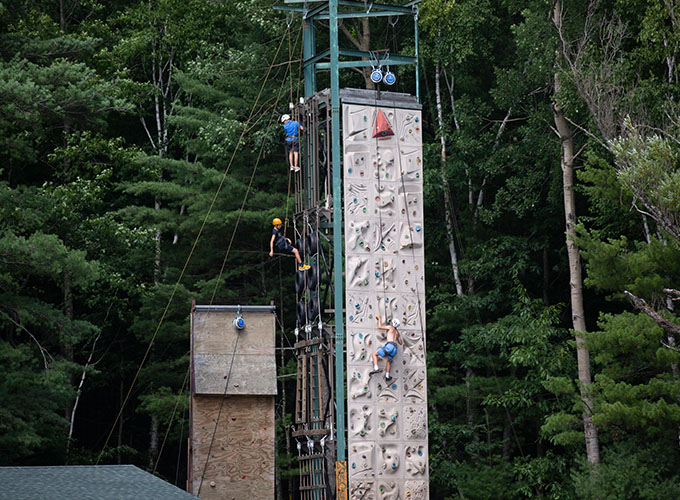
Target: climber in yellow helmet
283	244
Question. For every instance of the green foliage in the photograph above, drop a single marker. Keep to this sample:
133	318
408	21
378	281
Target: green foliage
121	121
648	167
535	478
32	429
615	265
563	429
630	470
611	203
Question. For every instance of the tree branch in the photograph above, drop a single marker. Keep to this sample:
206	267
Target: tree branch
671	347
349	35
588	133
43	351
642	305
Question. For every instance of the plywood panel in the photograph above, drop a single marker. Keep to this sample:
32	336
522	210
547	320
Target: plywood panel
214	332
253	374
240	462
220	351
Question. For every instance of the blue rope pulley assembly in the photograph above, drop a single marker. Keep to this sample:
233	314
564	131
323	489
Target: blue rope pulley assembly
239	322
376	75
389	78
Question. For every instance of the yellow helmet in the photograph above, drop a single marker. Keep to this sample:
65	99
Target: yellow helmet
276	222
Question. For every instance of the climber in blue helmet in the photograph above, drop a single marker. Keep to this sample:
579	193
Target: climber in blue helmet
292	130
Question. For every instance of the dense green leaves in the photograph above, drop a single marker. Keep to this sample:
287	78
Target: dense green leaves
140	165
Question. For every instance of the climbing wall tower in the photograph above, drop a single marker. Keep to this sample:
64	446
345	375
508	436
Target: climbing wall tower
384	274
383	270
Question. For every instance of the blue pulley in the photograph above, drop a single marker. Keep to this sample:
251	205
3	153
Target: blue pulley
376	75
239	322
389	78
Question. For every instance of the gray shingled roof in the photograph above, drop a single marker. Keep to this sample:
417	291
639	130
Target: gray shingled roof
85	482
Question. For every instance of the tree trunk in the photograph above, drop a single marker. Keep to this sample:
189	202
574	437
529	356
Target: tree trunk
470	405
121	399
507	440
277	476
62	16
576	279
67	346
546	275
448	205
361	39
670	339
153	443
67	351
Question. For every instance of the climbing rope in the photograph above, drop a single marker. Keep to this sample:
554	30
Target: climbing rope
380	223
250	183
217	420
219	414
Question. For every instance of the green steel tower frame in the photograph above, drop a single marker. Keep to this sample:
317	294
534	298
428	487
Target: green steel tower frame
329	59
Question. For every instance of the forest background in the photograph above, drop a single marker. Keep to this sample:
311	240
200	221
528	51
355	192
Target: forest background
141	164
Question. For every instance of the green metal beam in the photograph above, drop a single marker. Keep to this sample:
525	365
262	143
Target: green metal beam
372	55
374	10
362	64
417	53
338	287
375	6
288	8
311	14
359	4
308	52
401	61
353	15
317	57
389	59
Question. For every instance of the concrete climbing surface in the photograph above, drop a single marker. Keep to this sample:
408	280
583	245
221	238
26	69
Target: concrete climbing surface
384	259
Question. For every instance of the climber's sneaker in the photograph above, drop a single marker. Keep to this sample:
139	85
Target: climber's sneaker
303	267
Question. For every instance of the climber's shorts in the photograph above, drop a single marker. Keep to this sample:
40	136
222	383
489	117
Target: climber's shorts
284	247
389	350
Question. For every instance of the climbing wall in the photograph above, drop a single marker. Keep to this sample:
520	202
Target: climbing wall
384	274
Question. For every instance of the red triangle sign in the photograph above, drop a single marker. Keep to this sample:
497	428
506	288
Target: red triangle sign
382	127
